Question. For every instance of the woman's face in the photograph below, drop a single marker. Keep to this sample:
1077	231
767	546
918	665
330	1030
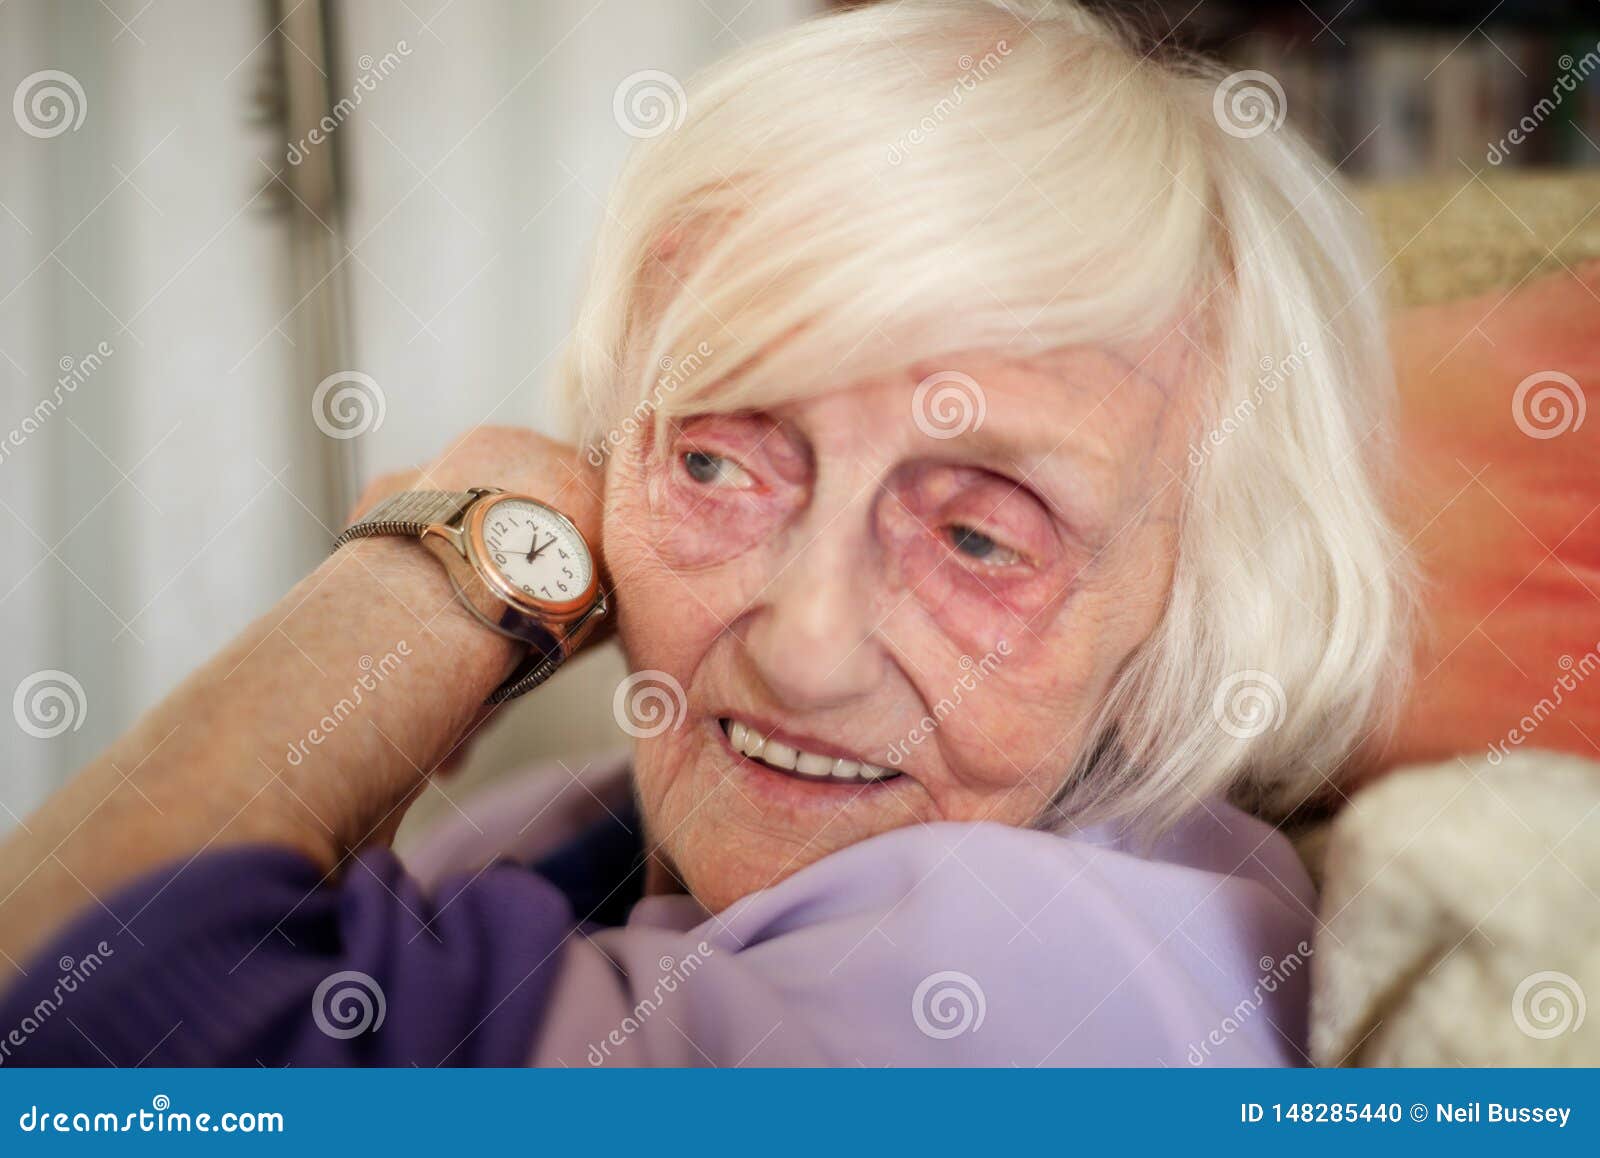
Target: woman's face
919	624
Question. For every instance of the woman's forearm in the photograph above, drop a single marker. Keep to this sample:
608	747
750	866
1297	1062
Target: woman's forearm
309	731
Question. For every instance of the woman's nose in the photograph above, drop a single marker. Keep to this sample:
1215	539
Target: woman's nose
810	638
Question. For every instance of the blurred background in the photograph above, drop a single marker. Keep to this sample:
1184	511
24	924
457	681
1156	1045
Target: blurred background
253	253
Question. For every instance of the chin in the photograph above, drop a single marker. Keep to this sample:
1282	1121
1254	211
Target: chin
727	826
719	878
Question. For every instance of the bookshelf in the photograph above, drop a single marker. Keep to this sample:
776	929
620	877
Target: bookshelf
1415	88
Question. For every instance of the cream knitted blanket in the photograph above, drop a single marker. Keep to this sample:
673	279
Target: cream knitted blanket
1460	920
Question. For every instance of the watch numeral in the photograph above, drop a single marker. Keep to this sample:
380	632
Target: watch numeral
500	559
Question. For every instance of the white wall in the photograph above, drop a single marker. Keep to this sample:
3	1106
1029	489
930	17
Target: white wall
159	508
138	229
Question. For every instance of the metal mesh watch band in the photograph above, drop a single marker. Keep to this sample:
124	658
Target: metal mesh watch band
408	513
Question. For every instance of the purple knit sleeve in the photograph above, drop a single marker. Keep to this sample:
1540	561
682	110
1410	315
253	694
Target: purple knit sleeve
250	956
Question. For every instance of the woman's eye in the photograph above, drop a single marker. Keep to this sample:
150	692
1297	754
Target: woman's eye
976	545
714	470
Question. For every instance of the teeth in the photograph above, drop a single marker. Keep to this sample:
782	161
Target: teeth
810	764
779	755
751	743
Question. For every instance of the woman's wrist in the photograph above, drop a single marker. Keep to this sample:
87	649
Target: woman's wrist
310	731
396	670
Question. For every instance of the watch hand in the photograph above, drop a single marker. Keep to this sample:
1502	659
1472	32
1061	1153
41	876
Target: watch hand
532	555
533	548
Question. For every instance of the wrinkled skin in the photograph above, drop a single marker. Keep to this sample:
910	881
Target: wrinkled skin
829	571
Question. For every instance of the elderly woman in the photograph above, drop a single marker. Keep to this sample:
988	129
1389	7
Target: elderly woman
1005	533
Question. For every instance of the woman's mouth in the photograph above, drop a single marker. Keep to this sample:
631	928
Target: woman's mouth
772	753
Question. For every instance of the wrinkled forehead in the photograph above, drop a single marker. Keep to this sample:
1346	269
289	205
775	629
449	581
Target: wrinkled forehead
783	252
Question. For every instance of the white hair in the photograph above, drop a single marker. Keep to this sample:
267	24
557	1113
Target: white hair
898	182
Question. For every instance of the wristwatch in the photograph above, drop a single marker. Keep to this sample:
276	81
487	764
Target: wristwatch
519	565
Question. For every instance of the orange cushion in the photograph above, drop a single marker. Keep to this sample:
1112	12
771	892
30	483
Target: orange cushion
1501	501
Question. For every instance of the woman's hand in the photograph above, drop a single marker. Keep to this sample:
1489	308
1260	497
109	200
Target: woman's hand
513	459
312	730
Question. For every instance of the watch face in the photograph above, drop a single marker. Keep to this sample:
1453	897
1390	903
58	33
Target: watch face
536	551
